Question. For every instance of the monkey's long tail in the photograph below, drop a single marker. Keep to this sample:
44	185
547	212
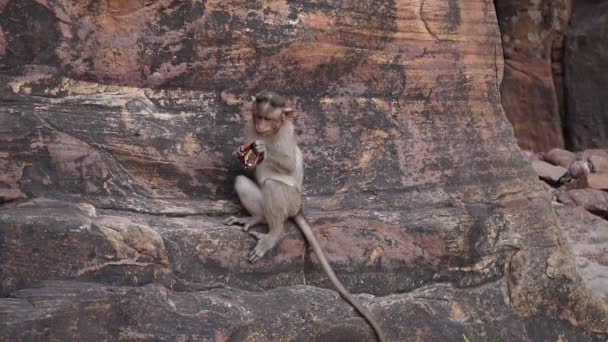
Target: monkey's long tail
304	225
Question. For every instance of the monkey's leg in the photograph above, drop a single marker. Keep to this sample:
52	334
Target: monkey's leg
281	201
251	198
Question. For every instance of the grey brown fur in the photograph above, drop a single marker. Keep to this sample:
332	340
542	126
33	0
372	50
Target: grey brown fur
276	194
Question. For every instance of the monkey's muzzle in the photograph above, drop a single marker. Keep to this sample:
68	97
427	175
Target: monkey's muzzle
247	156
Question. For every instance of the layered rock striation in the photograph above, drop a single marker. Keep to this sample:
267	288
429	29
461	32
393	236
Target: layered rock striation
117	121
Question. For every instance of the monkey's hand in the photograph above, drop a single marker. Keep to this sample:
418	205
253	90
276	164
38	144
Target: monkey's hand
237	152
259	147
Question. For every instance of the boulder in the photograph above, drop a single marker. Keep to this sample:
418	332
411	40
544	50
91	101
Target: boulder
594	152
548	172
595	201
598	181
599	164
49	239
530	156
589	237
560	157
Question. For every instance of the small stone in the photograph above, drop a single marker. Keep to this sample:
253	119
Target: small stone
560	157
547	171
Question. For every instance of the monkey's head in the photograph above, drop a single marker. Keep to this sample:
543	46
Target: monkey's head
269	112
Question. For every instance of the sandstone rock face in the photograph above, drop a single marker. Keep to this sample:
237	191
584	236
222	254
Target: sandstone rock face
587	75
67	240
555	72
531	32
117	123
589	236
299	313
595	201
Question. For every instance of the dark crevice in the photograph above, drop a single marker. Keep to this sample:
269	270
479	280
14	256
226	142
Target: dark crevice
564	105
4	201
599	213
161	214
512	66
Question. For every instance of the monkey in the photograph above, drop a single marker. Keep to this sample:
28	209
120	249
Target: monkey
276	194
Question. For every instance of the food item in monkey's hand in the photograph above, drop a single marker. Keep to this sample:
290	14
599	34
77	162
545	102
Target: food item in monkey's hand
247	156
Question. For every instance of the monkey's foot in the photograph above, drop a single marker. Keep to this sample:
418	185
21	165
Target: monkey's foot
265	243
246	222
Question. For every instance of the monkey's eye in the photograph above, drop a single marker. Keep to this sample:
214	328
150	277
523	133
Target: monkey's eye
267	119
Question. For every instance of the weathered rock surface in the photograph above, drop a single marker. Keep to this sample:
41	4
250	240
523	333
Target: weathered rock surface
594	152
298	313
599	164
413	175
589	237
531	32
595	201
548	172
48	239
555	78
530	156
597	181
560	157
586	67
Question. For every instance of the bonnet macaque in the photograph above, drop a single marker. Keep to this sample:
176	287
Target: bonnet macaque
276	194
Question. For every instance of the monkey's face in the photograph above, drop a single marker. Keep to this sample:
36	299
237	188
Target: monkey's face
267	118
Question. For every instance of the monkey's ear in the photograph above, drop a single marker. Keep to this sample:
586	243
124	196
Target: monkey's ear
290	113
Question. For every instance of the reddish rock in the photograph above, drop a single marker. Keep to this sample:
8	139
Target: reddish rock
597	181
586	69
530	103
589	237
530	156
413	178
599	164
530	31
594	152
547	171
558	156
299	313
69	241
595	201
